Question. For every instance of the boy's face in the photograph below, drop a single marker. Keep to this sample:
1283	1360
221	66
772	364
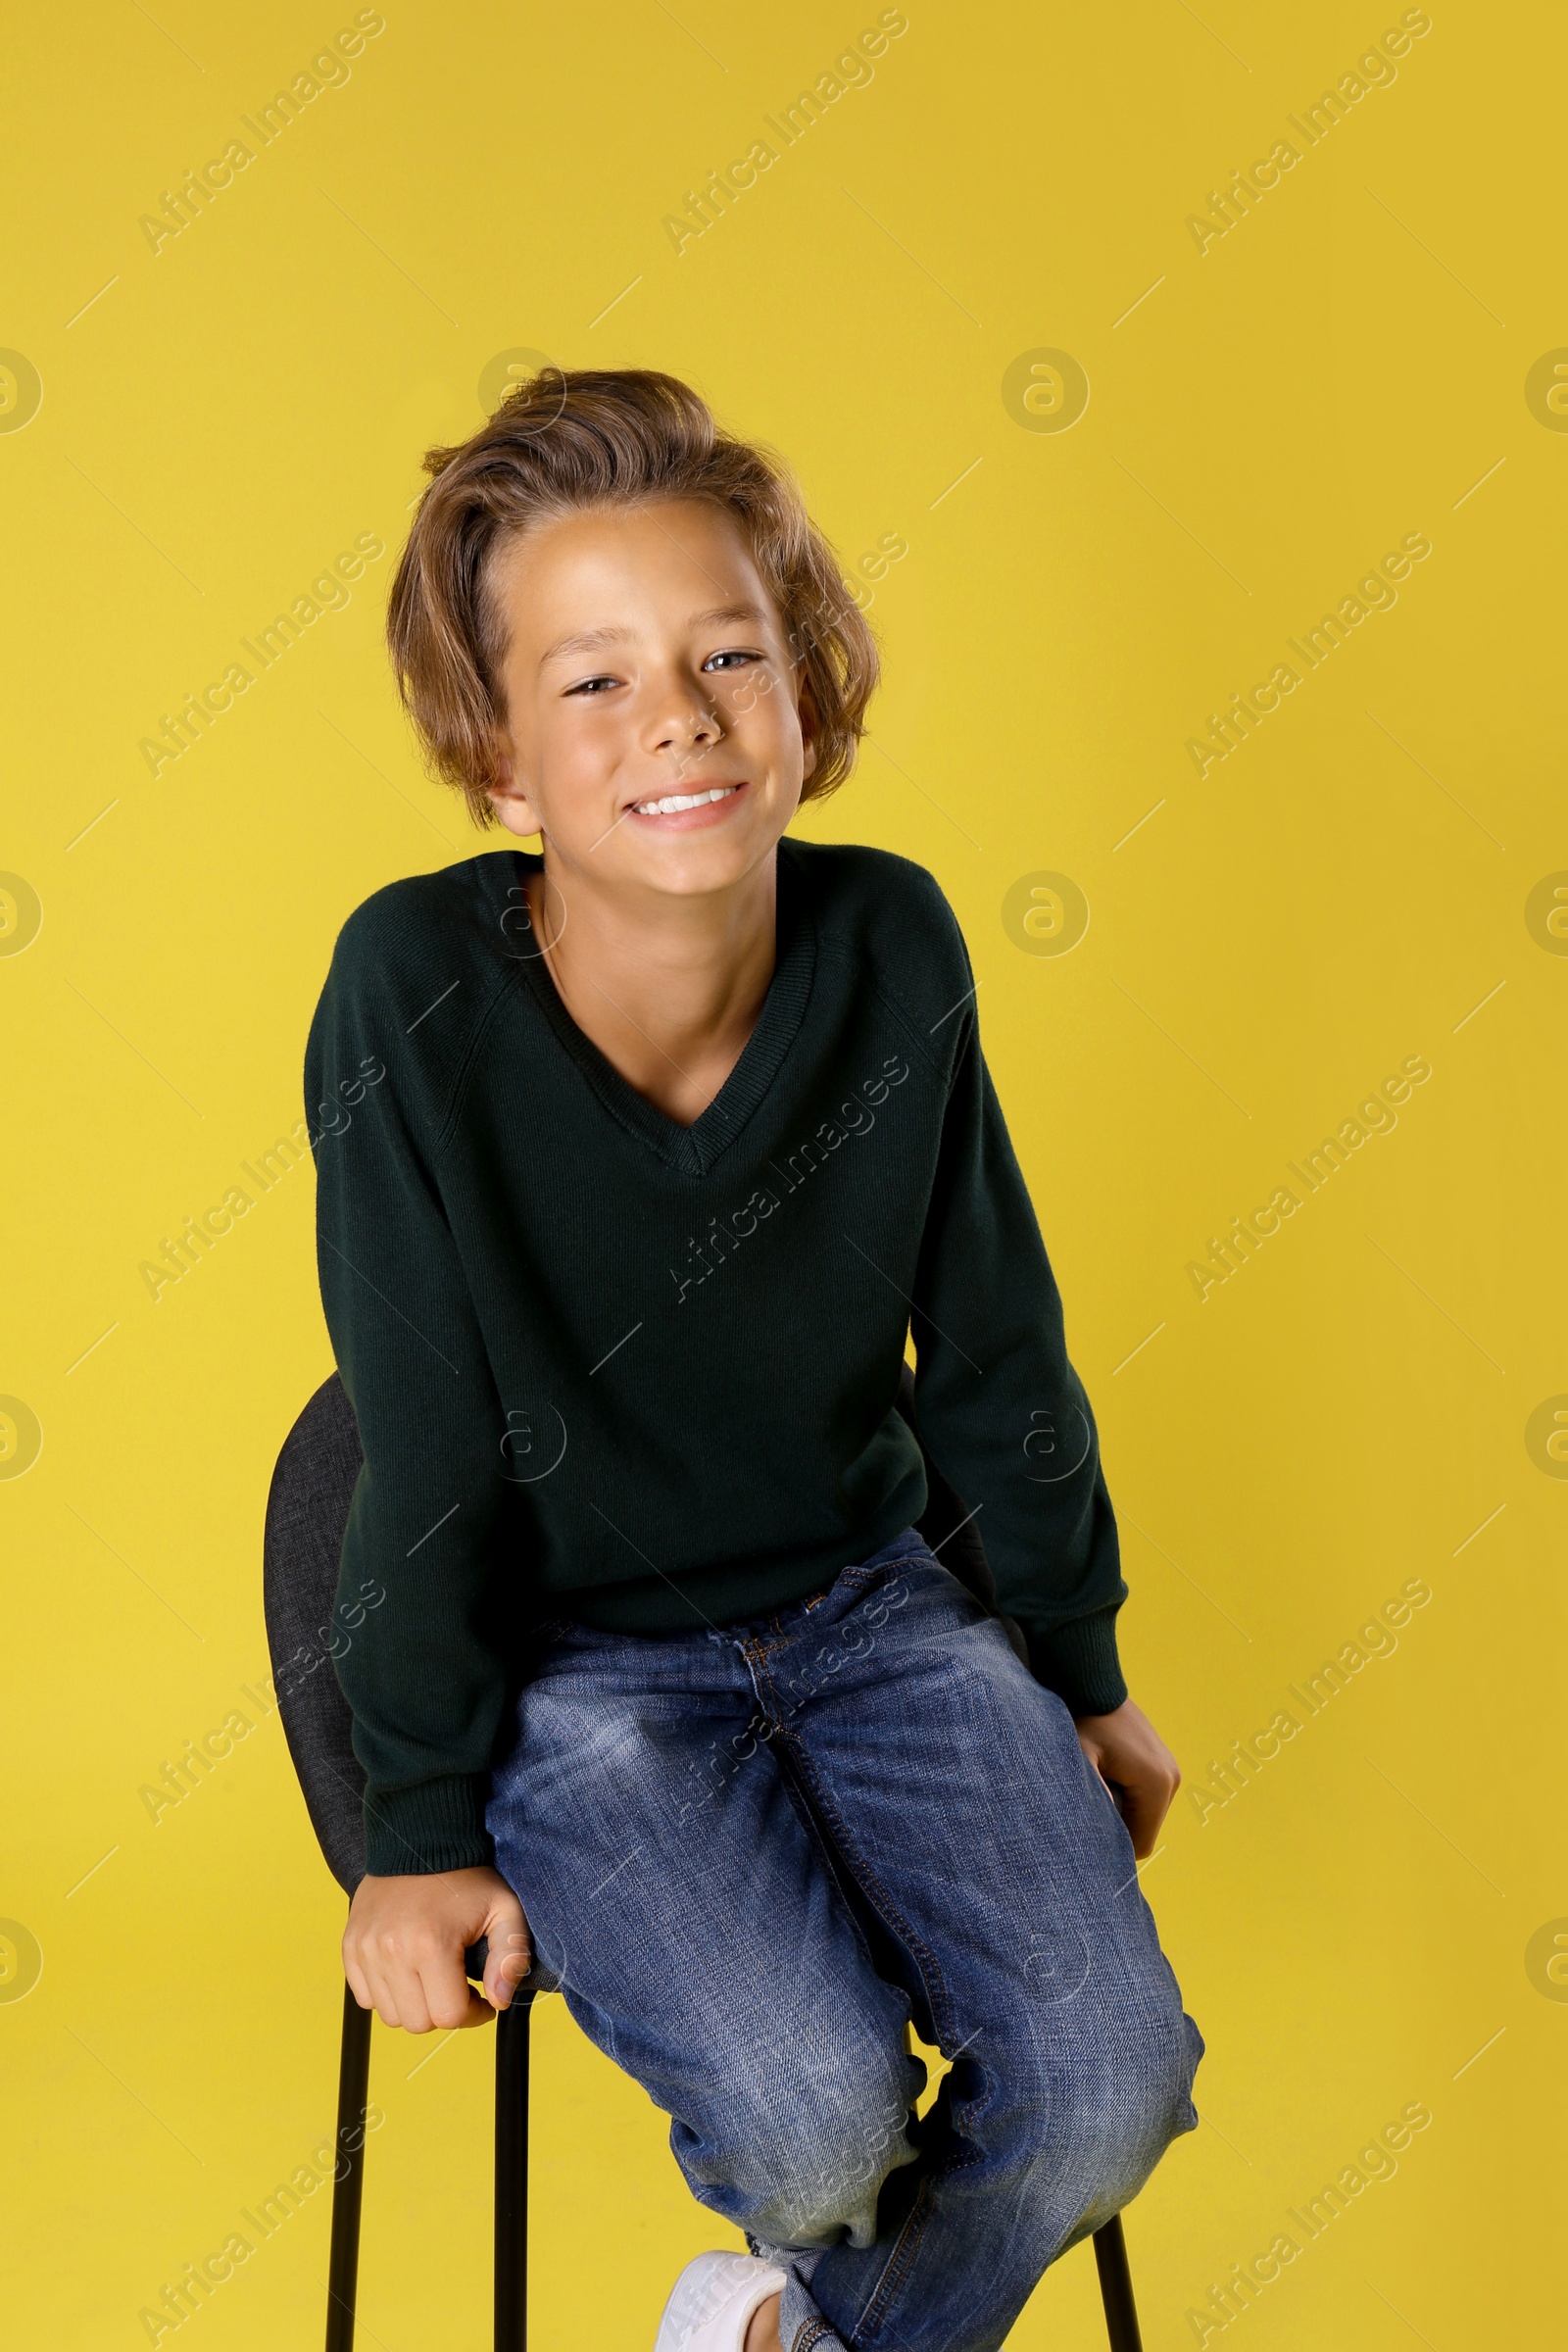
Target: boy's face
686	690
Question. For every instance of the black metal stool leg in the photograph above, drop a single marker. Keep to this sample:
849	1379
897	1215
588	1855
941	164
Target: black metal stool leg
511	2174
1116	2288
353	2080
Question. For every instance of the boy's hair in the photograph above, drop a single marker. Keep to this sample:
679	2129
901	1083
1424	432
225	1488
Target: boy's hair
575	438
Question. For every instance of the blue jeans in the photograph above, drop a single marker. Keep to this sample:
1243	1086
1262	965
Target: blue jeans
751	1854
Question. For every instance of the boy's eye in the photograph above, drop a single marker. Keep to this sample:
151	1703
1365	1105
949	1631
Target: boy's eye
730	658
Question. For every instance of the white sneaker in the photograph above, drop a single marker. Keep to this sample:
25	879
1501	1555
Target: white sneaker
712	2302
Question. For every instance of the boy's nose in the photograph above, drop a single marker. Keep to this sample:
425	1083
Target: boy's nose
682	722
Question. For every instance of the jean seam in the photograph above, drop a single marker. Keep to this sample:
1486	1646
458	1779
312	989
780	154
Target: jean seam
810	2332
861	1572
901	2260
905	2246
799	1803
871	1887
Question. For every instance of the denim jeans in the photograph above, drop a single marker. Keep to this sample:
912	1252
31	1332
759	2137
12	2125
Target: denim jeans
753	1854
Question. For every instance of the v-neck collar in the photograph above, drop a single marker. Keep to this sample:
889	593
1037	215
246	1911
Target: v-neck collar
696	1148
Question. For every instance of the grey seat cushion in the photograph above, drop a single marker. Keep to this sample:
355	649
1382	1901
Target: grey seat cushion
307	1513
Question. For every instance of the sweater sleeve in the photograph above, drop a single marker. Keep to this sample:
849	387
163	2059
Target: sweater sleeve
424	1670
1003	1412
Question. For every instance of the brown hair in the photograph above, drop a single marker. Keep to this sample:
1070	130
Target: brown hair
596	437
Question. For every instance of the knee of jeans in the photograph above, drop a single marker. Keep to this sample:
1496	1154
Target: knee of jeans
807	2157
1104	2109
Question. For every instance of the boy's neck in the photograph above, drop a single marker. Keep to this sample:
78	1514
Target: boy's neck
669	987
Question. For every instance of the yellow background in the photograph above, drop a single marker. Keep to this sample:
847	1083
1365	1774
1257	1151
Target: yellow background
217	421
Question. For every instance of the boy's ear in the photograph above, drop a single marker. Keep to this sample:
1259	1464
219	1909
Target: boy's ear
510	800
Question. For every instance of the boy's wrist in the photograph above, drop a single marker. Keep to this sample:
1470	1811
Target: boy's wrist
436	1826
1078	1660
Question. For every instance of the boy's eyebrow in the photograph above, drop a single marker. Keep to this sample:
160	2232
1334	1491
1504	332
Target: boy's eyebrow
587	641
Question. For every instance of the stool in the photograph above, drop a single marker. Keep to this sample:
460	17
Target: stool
307	1513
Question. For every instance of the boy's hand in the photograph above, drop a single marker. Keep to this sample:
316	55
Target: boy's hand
403	1944
1127	1752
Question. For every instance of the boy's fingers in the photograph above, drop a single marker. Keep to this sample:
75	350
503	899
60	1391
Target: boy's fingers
448	1998
478	2011
504	1974
421	2007
412	2011
1142	1825
381	2000
358	1982
403	1946
398	1995
373	1991
1147	1804
510	1954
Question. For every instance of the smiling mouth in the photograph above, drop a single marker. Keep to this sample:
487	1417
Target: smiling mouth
676	803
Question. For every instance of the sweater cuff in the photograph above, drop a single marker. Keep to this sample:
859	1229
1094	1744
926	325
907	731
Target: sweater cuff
412	1832
1078	1661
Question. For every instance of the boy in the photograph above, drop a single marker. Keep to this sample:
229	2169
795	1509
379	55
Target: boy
663	1140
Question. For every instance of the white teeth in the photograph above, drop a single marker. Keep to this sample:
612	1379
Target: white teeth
677	801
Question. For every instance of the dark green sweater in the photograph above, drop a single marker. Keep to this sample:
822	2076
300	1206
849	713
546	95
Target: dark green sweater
643	1375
